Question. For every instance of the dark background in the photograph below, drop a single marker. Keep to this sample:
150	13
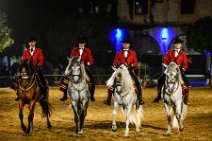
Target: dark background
57	23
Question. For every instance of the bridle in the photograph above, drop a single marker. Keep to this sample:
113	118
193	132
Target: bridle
173	90
31	85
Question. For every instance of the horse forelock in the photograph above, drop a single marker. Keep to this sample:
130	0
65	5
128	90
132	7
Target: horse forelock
126	80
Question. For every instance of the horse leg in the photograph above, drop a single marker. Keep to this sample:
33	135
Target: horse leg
178	115
48	122
168	114
127	112
30	117
83	115
76	116
21	116
114	126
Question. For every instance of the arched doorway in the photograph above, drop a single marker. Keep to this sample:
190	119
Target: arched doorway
146	44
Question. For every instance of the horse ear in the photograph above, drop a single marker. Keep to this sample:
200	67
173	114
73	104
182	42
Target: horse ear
114	68
165	65
68	58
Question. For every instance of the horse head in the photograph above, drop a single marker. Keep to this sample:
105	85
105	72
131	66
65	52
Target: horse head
74	69
26	69
173	77
121	79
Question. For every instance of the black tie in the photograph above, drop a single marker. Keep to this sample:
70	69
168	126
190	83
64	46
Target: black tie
31	49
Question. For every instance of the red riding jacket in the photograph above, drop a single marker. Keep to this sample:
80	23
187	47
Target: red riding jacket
131	58
86	57
37	58
181	59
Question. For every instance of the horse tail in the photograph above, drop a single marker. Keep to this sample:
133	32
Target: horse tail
46	108
136	115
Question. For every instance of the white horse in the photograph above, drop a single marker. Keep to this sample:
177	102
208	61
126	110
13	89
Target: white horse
173	97
124	95
79	92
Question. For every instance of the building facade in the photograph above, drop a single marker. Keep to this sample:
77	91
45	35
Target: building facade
166	19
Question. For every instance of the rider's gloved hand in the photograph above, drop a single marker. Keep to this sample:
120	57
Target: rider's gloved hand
40	67
182	70
115	66
131	67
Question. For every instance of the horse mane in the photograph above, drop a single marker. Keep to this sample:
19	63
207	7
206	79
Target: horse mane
84	73
127	82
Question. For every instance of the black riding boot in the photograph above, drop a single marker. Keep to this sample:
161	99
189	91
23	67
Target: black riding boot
158	98
92	90
160	84
109	96
137	88
65	97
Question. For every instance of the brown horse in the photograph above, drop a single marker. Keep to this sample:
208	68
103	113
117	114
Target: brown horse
29	92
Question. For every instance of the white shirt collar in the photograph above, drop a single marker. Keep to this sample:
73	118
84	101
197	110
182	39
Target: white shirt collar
178	50
32	52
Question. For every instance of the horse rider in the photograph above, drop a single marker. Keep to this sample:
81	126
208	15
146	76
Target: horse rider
37	58
129	58
86	57
179	57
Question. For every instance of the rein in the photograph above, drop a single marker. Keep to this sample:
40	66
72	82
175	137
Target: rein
75	87
26	89
175	89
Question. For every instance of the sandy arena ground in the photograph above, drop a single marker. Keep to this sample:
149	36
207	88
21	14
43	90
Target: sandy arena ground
198	124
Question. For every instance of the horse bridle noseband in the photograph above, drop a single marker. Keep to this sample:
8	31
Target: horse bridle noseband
26	89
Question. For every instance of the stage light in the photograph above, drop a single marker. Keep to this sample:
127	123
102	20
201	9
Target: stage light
164	33
116	36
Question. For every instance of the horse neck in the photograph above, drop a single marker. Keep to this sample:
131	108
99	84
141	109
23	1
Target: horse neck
127	83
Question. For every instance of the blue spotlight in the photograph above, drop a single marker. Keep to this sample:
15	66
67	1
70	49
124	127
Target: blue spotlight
164	33
116	36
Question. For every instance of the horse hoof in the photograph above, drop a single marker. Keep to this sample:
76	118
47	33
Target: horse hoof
49	126
114	128
24	128
76	135
137	130
26	133
126	136
181	129
168	134
80	132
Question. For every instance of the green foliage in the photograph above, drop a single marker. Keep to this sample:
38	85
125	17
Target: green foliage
199	35
5	31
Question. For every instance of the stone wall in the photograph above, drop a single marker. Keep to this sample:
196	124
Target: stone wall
166	12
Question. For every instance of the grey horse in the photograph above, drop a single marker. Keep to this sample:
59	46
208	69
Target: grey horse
79	91
173	97
125	97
